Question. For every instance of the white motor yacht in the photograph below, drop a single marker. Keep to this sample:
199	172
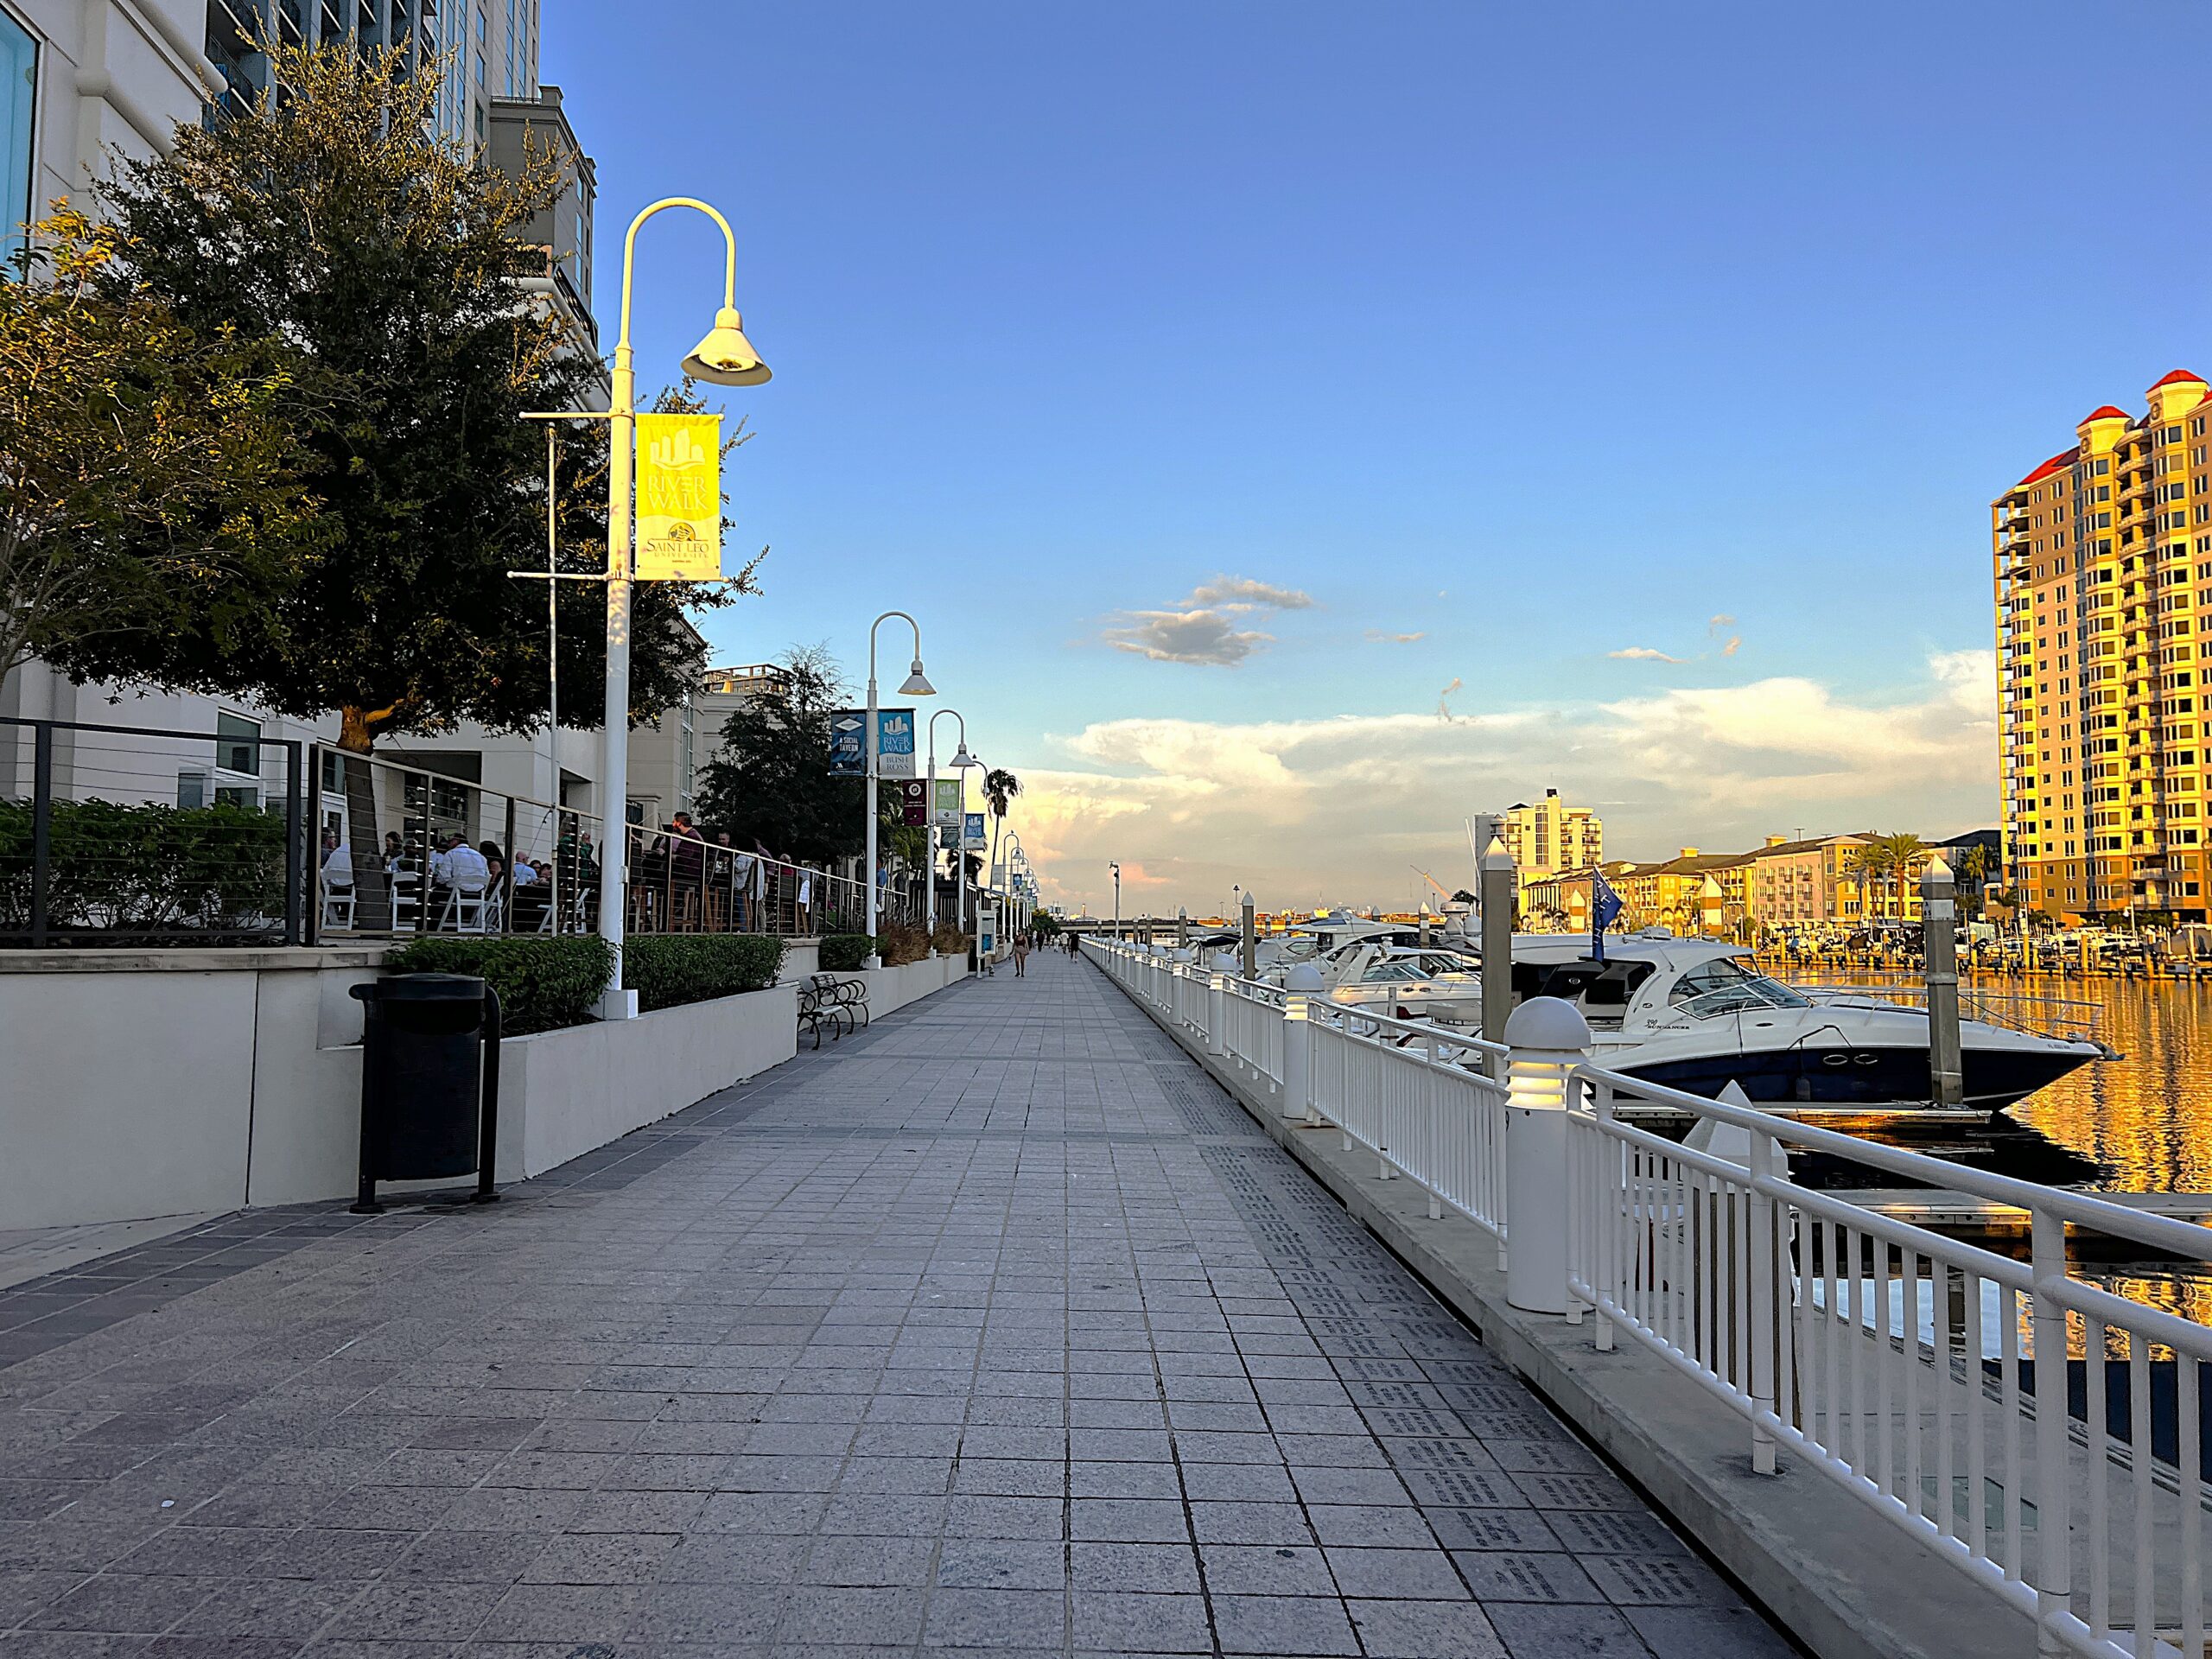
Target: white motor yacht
1406	983
1697	1015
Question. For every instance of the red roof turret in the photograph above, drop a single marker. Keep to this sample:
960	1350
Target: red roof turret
2178	378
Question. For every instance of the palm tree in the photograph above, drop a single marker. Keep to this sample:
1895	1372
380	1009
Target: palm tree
1972	872
1000	787
1908	855
1866	864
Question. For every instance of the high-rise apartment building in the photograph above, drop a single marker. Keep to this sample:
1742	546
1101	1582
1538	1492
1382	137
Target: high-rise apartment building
1548	837
2102	565
490	47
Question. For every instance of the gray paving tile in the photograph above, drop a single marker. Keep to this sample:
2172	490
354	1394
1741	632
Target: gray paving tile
954	1338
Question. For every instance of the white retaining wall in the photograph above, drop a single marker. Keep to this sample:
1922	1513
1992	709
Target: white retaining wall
891	988
156	1084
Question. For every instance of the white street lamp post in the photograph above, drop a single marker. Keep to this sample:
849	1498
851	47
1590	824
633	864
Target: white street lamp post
960	763
1117	868
724	358
916	685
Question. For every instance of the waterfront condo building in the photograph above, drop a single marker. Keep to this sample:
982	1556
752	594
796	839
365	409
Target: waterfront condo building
2102	567
1548	838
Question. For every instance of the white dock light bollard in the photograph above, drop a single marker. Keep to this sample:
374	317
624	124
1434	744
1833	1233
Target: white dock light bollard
1547	1036
1297	1039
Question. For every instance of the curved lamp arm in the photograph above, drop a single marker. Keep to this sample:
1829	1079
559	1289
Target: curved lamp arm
940	714
878	623
630	249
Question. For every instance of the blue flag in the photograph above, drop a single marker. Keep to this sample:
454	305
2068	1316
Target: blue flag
1604	910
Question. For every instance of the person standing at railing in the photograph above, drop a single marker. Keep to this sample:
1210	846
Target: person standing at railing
686	873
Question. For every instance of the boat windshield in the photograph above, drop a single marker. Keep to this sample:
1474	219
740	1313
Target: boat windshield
1725	986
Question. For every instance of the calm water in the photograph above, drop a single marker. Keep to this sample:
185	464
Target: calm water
2145	1118
2144	1121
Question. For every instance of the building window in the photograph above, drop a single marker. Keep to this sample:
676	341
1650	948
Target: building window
237	744
18	93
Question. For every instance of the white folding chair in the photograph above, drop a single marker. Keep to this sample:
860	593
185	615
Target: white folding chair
337	903
464	911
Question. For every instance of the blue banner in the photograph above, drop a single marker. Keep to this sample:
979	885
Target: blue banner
971	833
894	742
848	743
1604	910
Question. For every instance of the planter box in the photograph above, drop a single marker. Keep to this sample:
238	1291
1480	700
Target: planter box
168	1082
801	957
562	1093
891	988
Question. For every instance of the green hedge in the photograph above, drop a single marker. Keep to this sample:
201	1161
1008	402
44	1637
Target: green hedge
160	869
842	953
543	984
669	969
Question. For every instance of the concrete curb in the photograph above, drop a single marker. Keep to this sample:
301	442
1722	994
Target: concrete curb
1837	1577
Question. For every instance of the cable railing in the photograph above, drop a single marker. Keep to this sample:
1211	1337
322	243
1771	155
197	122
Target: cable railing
2044	1435
136	835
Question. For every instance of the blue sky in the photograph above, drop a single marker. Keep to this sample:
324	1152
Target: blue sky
1541	332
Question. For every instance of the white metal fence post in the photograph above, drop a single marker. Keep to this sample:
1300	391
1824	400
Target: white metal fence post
1216	1008
1607	1193
1548	1036
1765	1294
2054	1482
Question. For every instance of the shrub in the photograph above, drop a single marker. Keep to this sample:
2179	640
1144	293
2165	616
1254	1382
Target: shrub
543	984
950	939
669	969
902	943
154	869
842	953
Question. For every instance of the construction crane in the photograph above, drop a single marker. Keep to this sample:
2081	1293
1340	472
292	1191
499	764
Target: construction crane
1432	881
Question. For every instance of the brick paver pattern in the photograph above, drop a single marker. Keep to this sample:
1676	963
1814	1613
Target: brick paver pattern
995	1328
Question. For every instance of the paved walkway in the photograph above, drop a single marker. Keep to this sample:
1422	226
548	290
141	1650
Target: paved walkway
997	1327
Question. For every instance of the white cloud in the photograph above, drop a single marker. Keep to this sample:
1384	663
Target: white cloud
1734	641
1644	654
1444	699
1384	636
1202	635
1205	628
1333	809
1714	624
1243	594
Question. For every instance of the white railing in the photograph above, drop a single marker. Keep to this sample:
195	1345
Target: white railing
1907	1365
1903	1364
1429	1103
1251	1030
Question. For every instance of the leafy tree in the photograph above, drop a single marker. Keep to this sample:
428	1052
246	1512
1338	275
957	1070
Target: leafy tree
144	478
770	781
333	218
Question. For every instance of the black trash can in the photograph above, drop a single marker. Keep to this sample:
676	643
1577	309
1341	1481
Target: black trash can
430	1080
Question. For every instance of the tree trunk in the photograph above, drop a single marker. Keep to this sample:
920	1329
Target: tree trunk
373	911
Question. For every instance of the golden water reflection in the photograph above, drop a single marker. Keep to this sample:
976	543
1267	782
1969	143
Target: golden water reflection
2145	1118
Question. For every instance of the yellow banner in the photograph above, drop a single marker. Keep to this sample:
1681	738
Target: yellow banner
679	498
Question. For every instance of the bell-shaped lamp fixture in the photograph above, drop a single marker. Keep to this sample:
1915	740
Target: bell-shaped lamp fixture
962	760
726	356
918	683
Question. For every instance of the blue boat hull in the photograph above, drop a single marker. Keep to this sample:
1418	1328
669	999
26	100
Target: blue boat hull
1995	1079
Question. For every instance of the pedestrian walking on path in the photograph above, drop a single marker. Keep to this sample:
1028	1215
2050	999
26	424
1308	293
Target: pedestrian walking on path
1020	955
